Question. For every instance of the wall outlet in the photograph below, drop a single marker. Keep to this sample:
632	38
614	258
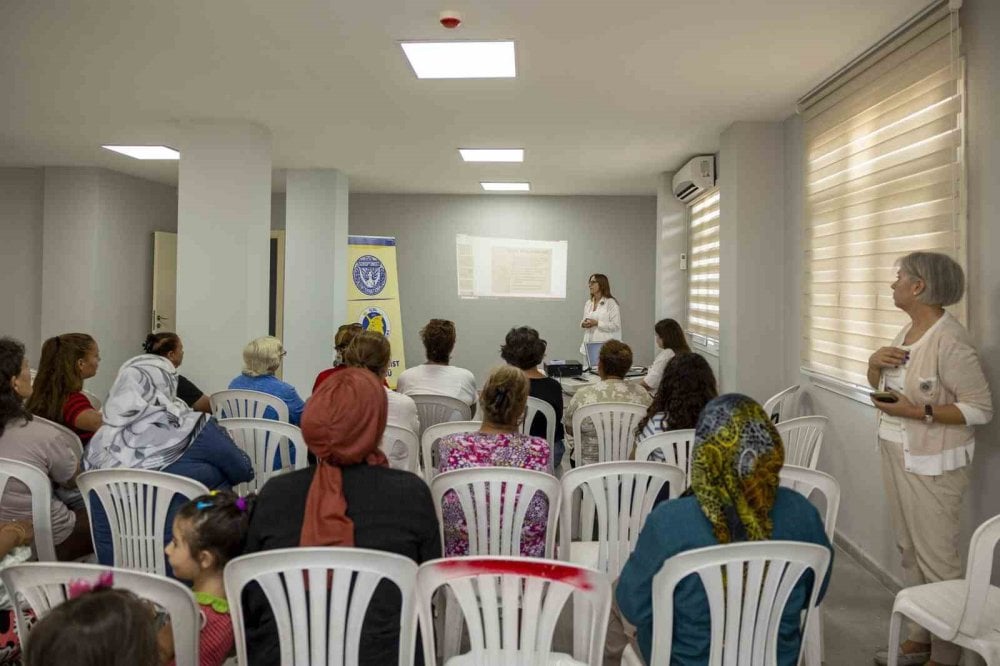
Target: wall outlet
684	261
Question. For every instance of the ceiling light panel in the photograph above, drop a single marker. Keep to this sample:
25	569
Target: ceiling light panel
461	60
506	187
492	154
147	152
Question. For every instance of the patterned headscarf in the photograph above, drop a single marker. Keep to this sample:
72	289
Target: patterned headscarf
342	424
735	462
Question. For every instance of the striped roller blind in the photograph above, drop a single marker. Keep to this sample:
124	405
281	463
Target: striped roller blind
884	177
703	269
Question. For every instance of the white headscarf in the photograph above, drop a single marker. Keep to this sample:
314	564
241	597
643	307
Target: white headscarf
145	426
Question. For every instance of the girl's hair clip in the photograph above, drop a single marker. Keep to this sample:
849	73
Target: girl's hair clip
202	505
80	587
241	504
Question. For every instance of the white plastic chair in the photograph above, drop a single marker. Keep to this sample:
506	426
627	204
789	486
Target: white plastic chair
622	495
673	445
239	404
511	607
40	488
746	609
614	423
43	585
95	402
136	503
319	597
807	481
430	438
803	438
779	405
962	611
536	405
72	436
262	440
402	447
434	409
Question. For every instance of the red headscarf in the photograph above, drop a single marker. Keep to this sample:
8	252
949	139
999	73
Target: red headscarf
342	425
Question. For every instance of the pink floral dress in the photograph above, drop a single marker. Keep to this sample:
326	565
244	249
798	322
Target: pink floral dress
479	449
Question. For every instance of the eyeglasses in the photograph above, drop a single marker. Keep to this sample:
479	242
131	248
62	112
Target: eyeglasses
284	353
592	282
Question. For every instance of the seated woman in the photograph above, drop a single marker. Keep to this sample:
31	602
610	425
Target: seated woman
67	361
170	347
261	359
436	377
498	443
42	445
372	352
523	349
148	427
688	384
351	498
341	340
734	496
671	340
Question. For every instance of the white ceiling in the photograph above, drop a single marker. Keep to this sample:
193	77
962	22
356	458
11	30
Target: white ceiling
608	94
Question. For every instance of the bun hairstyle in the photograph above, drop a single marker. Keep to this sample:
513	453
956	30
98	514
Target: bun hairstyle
217	523
369	350
505	395
161	344
58	375
522	348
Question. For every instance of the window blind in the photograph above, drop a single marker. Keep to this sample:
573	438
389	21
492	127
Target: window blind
884	177
703	269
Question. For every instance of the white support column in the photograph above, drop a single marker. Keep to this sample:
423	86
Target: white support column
671	242
223	229
315	270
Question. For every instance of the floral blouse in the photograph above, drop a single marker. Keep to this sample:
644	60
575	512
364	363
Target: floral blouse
479	449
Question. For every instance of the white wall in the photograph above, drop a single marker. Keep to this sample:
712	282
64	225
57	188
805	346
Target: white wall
21	252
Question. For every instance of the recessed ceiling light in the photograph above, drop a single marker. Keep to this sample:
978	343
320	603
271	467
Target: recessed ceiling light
147	152
461	60
506	187
492	154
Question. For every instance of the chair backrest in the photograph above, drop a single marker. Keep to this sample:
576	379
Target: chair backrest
779	405
40	488
806	481
623	494
494	501
430	437
402	447
434	409
41	586
72	436
673	446
95	402
238	404
536	405
747	585
319	597
803	438
977	578
136	502
511	606
266	441
615	424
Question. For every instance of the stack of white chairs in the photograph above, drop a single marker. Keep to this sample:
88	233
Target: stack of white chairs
803	439
779	406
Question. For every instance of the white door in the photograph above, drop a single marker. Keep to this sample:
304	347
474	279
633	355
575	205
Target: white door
164	281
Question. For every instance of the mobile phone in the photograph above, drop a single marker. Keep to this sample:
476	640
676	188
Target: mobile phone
885	396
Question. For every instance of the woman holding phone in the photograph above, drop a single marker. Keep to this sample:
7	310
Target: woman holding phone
602	319
932	390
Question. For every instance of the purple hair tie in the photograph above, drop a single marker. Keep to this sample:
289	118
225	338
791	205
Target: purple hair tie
241	504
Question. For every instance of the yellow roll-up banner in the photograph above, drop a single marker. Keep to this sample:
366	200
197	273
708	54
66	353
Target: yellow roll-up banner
373	294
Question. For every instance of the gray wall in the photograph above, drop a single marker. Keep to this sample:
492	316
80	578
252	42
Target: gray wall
612	235
21	252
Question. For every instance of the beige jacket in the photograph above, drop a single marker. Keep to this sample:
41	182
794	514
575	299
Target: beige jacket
943	369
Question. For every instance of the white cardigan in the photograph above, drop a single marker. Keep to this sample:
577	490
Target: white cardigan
609	322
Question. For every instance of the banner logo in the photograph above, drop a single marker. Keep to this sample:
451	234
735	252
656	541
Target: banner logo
369	275
375	320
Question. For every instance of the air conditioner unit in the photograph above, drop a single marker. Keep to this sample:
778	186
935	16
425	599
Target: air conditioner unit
694	177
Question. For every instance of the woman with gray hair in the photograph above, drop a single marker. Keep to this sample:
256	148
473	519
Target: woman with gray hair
932	391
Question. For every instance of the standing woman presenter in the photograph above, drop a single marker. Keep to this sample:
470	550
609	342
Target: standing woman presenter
602	319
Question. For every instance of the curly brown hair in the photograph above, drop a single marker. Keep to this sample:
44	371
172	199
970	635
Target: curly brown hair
688	384
522	348
615	358
439	340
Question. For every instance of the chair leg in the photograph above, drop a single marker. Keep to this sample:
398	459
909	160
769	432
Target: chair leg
581	636
813	649
453	622
894	623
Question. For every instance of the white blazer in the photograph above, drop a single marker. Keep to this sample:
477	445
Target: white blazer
609	322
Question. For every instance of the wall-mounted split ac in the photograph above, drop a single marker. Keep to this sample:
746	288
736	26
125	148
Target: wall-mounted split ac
694	178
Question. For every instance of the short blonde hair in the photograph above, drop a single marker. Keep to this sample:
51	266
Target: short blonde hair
262	356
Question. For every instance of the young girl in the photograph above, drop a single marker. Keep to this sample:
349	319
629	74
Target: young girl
208	532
